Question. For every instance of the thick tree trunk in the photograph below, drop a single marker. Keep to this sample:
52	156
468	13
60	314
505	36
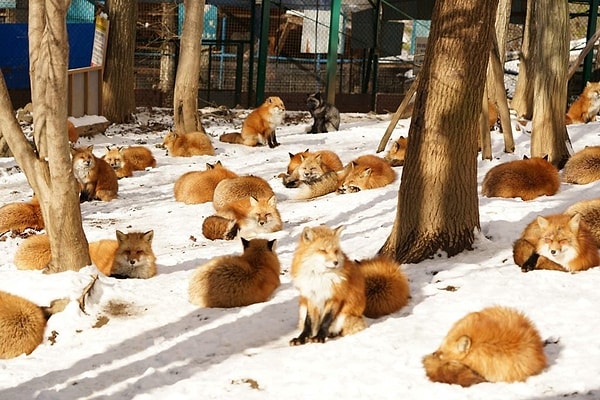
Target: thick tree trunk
522	101
168	50
118	96
48	168
548	132
438	201
185	105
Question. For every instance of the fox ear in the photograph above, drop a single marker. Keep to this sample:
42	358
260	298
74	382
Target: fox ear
271	244
148	236
253	201
574	223
463	344
245	243
209	166
338	230
525	157
90	147
291	155
366	173
121	236
307	234
272	201
543	222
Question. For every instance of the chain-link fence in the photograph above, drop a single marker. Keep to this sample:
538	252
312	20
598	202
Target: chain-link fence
380	48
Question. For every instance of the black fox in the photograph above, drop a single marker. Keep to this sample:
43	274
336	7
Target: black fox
326	116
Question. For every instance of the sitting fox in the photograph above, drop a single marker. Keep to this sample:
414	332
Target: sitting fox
236	281
125	160
97	180
366	172
130	256
22	324
528	179
559	242
496	344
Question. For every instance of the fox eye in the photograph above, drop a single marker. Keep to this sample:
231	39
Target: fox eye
547	240
563	241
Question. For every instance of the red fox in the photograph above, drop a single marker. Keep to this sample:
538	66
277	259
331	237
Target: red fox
386	286
583	167
586	107
590	214
96	178
311	167
72	132
366	172
22	324
130	256
259	126
559	242
188	144
125	160
396	152
332	287
496	344
240	187
236	281
250	216
197	187
17	217
528	179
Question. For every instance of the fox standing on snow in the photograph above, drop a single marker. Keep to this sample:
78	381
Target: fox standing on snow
496	344
528	179
236	281
260	125
558	242
97	180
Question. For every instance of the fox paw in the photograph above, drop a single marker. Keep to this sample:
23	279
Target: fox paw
531	262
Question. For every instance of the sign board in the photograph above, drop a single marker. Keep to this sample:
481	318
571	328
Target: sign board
420	46
100	40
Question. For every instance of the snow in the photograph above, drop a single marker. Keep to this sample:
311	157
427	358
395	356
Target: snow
142	339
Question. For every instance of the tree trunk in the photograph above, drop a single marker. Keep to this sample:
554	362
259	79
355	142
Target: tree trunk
48	167
185	105
118	96
168	50
548	131
522	101
437	201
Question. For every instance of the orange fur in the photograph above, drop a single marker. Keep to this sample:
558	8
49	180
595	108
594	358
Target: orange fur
22	326
198	186
590	214
72	132
237	188
366	172
496	344
17	217
332	288
236	281
559	242
260	125
125	160
96	178
586	107
216	227
129	256
492	114
583	167
396	152
386	286
188	144
528	179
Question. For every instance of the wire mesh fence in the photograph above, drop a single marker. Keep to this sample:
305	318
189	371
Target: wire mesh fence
380	47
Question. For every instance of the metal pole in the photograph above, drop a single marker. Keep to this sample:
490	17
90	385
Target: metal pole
263	49
591	29
334	28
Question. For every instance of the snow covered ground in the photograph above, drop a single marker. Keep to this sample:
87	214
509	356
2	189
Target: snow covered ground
142	339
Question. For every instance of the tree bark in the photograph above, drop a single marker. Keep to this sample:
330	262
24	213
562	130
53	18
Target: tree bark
548	132
438	201
118	95
522	101
185	104
168	50
47	165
